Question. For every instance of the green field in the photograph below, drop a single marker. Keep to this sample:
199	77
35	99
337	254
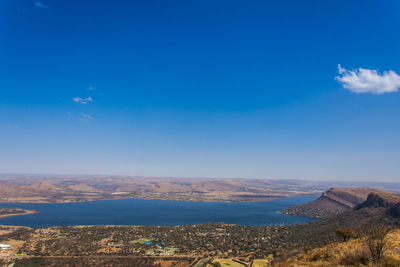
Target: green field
141	240
228	263
167	251
260	263
202	263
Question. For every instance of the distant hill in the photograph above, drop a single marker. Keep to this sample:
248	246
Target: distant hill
333	201
90	188
28	189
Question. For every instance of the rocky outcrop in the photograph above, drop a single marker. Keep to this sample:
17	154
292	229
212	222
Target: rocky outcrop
384	200
333	201
380	200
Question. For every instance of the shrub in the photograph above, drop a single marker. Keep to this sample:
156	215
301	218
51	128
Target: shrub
355	259
345	233
307	250
376	242
390	262
318	256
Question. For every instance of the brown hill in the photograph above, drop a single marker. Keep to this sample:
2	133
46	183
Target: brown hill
88	188
83	187
333	201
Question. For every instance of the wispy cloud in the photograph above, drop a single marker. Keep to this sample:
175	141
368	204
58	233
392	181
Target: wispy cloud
86	117
368	81
40	4
91	88
83	100
13	127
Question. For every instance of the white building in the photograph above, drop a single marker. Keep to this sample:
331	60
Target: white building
5	246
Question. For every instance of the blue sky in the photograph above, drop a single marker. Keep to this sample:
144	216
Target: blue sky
201	88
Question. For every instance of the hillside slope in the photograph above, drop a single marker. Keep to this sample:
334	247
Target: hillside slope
333	201
380	199
351	253
379	208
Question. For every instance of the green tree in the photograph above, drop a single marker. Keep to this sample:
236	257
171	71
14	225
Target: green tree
345	233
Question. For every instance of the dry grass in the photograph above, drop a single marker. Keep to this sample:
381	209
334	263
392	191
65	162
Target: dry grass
350	253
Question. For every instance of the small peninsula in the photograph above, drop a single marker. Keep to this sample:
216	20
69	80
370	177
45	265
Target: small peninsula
4	213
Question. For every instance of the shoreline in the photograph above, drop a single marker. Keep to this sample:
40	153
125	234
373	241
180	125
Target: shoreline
26	212
266	199
275	220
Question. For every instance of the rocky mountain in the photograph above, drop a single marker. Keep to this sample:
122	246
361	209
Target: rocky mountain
380	199
333	201
378	208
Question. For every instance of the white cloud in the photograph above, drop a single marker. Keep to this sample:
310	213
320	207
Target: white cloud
13	127
368	81
40	4
86	117
83	100
91	88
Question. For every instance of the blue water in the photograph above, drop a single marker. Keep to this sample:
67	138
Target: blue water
156	212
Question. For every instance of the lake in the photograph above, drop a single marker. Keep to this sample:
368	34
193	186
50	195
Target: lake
156	212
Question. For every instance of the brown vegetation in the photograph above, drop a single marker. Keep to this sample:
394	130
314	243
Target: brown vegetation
376	241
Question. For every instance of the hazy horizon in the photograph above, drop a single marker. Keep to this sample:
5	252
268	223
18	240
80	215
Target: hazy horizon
307	180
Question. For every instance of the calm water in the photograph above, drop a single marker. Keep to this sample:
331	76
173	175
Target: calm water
156	212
